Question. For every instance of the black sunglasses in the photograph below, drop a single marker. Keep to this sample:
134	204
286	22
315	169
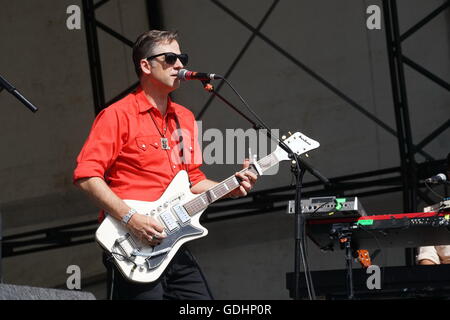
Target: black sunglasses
171	58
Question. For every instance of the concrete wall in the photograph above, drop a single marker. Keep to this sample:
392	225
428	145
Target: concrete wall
245	258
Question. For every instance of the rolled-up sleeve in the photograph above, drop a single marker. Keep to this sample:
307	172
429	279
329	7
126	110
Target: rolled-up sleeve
196	176
101	147
429	253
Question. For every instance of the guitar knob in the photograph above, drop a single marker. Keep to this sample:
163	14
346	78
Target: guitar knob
166	204
283	137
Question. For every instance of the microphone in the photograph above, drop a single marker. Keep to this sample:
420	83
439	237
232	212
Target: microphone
184	74
439	178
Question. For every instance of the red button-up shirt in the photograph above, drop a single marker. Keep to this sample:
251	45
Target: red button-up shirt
124	148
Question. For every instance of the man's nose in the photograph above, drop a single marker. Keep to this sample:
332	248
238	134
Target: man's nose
178	64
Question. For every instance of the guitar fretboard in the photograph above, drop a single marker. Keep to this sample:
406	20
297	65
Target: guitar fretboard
223	188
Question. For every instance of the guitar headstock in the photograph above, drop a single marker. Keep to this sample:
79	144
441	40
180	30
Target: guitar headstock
298	143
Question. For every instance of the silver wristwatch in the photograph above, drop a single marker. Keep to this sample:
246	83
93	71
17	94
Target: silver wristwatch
128	216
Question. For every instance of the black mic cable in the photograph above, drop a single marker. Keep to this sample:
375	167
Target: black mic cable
201	76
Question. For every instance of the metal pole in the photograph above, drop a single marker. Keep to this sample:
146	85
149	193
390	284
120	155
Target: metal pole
154	13
409	147
348	261
1	245
404	136
98	90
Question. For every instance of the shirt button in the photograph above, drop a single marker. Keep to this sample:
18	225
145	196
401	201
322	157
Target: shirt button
143	146
174	167
156	144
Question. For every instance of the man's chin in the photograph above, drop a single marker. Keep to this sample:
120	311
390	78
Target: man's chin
170	85
176	84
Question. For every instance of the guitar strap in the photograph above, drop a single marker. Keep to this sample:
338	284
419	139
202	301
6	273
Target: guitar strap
180	140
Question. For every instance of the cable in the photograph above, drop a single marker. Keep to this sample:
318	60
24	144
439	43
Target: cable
108	261
307	259
379	248
245	103
308	287
435	193
111	290
125	258
308	277
323	204
308	272
302	242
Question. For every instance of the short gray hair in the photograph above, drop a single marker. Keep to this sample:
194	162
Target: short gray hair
146	42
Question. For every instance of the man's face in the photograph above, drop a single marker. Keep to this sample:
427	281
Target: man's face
163	74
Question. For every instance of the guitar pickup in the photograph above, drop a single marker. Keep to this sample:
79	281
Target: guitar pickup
181	214
168	219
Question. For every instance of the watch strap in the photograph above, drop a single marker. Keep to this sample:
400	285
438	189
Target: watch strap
128	216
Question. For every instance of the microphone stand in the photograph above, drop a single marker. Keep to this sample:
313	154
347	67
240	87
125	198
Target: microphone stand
6	85
301	167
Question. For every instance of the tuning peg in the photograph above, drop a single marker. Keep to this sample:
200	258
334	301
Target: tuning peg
290	133
306	155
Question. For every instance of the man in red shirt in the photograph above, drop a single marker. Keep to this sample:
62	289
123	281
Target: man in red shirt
133	152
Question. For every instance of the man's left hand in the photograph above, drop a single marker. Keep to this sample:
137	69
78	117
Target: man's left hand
247	181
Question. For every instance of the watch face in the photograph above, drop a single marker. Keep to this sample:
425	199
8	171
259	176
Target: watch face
128	216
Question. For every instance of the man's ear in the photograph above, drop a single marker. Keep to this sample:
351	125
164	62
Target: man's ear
146	67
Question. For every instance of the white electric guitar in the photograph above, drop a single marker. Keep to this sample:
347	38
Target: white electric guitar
179	211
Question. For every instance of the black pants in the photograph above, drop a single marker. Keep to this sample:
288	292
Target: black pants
182	280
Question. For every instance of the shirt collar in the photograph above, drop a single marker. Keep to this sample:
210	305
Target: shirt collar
145	105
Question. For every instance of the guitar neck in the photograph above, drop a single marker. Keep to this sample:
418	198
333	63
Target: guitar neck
201	202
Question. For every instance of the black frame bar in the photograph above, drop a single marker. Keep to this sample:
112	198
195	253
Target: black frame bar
407	149
95	65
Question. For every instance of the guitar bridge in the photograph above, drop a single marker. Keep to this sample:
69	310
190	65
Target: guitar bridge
124	247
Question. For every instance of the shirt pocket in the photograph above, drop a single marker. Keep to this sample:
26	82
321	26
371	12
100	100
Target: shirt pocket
150	155
144	143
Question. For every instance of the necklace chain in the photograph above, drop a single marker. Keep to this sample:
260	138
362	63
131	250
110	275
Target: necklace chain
157	128
164	140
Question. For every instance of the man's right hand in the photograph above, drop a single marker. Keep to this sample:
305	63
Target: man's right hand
146	228
143	227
